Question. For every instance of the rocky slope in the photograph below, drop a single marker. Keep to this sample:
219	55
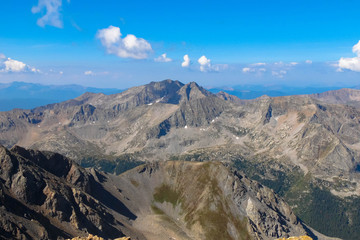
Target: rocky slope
306	149
43	195
205	201
46	196
342	96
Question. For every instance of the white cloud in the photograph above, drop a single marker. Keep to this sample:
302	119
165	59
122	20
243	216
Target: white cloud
89	73
283	64
255	69
61	72
279	74
9	65
162	58
356	49
34	70
262	69
52	16
308	62
259	64
186	62
127	47
206	66
247	69
339	70
352	64
14	66
2	56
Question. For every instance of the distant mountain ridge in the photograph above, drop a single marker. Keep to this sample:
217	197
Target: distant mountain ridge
342	96
253	91
29	95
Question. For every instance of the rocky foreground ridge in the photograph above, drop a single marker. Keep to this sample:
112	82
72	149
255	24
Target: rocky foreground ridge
47	196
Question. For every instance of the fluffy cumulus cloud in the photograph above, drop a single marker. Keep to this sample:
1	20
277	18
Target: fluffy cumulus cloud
14	66
162	58
127	47
52	9
352	64
186	62
89	73
8	65
206	66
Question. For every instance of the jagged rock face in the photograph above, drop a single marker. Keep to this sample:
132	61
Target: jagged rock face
43	195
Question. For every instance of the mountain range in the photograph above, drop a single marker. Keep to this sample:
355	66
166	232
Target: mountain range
304	147
30	95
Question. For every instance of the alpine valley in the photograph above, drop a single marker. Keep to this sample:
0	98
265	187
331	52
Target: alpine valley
213	166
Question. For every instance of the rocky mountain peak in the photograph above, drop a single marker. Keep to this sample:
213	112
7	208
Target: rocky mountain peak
192	91
227	97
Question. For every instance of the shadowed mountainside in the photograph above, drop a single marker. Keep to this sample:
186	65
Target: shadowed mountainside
46	196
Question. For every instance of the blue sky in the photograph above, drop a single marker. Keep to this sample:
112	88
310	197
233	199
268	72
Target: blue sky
113	43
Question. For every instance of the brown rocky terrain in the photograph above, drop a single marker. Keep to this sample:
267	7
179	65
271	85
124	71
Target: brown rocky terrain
302	146
92	237
46	196
342	96
297	238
